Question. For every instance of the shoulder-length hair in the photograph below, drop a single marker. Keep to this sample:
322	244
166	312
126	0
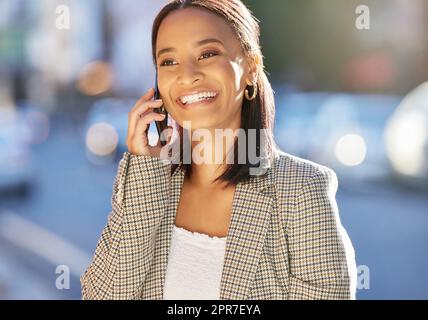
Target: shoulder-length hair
256	114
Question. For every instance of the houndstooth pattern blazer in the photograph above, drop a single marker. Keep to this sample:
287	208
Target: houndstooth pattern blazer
285	238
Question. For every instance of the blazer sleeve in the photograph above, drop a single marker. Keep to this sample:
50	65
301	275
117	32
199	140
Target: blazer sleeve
321	255
97	281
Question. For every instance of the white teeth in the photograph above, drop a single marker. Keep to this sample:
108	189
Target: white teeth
196	97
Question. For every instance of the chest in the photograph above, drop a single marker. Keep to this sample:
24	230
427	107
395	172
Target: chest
205	211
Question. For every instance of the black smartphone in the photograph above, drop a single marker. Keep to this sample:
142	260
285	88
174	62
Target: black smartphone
160	125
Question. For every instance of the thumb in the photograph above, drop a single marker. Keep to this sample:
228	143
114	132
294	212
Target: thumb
169	134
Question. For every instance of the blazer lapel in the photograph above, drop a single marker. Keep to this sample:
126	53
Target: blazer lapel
252	204
155	280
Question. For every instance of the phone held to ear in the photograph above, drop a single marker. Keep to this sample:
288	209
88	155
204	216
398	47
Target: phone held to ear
160	125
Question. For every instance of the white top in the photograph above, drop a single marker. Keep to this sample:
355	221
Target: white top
195	265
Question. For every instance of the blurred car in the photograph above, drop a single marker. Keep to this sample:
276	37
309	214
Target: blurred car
406	137
343	131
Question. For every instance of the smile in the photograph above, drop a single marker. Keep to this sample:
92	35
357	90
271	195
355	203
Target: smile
202	99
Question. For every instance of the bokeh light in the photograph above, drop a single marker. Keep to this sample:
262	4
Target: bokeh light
351	150
95	78
101	139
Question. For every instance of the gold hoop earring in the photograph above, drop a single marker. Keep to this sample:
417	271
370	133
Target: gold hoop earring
254	93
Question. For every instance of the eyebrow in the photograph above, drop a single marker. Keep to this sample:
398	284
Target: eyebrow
197	44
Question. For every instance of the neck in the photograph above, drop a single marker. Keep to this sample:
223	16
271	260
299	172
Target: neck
210	160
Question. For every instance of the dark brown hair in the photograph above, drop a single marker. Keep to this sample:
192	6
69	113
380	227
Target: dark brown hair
256	114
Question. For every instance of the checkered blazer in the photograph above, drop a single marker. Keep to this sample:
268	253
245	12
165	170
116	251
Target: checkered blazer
285	238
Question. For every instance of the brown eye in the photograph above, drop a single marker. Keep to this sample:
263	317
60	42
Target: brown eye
164	63
211	53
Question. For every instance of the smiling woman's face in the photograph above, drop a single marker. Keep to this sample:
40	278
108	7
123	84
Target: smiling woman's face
218	66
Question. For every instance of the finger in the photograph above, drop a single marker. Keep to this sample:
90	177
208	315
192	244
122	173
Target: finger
166	135
169	134
146	97
139	112
143	124
144	108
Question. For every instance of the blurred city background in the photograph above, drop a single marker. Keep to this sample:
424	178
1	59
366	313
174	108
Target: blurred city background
353	99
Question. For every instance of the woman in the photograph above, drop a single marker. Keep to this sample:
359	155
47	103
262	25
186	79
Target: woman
217	230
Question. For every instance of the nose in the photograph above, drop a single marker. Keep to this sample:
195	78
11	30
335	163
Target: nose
188	74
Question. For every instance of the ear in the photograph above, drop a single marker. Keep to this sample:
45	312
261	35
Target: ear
254	62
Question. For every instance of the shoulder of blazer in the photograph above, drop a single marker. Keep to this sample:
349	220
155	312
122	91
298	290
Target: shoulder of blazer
293	174
296	171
